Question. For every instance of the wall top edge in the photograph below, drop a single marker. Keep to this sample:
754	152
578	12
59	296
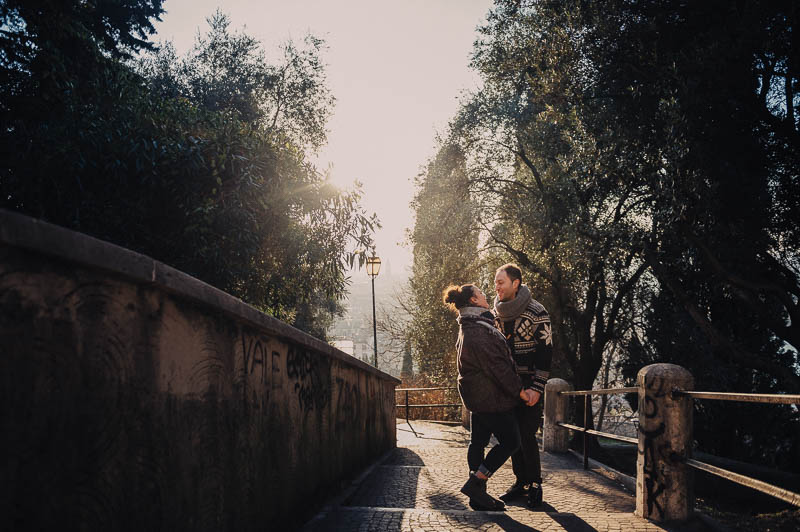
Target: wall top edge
21	231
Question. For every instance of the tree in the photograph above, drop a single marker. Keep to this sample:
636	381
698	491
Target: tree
548	200
724	230
186	178
722	121
445	244
640	155
227	71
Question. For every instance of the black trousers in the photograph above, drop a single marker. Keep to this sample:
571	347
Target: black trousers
504	427
525	461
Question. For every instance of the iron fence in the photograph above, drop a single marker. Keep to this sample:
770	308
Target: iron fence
408	406
587	397
764	487
752	483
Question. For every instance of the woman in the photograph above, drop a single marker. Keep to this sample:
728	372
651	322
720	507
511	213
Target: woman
489	387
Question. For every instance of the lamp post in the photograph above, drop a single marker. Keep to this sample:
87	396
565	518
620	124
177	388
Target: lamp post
373	267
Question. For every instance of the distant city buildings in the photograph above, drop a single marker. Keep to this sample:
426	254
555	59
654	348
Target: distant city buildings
352	333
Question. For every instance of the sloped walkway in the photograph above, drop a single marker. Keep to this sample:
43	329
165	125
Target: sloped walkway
417	486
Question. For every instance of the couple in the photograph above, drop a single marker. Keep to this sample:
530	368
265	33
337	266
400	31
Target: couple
503	364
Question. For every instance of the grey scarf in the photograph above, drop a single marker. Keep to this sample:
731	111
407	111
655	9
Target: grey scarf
510	310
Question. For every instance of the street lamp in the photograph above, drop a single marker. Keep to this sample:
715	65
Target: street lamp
373	267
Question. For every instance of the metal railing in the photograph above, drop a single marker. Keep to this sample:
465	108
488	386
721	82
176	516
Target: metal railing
587	394
758	485
408	406
752	483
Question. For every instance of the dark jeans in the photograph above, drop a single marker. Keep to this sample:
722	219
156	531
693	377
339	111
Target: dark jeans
504	427
525	461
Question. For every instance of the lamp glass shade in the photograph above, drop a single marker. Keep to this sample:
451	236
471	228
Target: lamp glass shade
373	266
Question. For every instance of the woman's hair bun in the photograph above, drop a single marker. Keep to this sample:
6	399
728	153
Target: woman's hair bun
451	295
457	297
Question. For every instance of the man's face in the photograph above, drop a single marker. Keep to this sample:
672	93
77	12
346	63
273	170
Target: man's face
505	289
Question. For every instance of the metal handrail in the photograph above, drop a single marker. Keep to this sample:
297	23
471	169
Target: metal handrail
758	485
409	406
587	394
424	389
430	406
770	398
608	435
604	391
752	483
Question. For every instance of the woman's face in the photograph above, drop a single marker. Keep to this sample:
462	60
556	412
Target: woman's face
478	299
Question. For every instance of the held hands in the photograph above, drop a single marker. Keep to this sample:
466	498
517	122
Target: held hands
530	396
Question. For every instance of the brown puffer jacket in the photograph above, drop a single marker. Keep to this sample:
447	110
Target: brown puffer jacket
487	378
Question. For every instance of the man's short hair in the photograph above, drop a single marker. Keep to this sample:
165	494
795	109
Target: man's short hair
512	270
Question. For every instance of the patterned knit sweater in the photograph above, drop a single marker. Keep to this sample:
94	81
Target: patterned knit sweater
529	337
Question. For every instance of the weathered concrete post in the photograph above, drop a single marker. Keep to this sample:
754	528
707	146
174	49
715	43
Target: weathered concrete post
664	483
555	438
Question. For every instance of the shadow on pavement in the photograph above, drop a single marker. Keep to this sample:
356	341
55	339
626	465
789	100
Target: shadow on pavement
543	507
404	456
573	523
421	437
446	500
509	524
391	487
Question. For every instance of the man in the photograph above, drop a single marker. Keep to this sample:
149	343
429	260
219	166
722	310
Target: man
526	325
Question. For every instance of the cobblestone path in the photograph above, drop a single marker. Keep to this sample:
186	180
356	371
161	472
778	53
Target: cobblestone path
417	485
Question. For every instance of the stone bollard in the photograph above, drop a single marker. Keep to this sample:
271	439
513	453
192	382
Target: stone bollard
664	483
555	438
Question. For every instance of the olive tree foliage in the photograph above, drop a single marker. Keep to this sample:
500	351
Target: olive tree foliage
202	163
228	70
540	171
697	91
445	246
712	92
634	156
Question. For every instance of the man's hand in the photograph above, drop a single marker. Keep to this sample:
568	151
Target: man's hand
534	397
526	395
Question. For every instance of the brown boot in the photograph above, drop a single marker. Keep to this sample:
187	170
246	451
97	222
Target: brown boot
475	489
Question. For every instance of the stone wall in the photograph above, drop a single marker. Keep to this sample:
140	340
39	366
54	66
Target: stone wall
135	397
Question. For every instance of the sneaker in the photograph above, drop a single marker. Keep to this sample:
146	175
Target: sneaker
534	496
475	489
517	489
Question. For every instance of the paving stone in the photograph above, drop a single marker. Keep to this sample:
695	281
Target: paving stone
417	489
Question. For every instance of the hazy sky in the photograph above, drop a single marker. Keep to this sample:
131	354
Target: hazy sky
395	68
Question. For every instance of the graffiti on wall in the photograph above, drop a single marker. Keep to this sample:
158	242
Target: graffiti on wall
347	404
259	366
255	356
311	377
